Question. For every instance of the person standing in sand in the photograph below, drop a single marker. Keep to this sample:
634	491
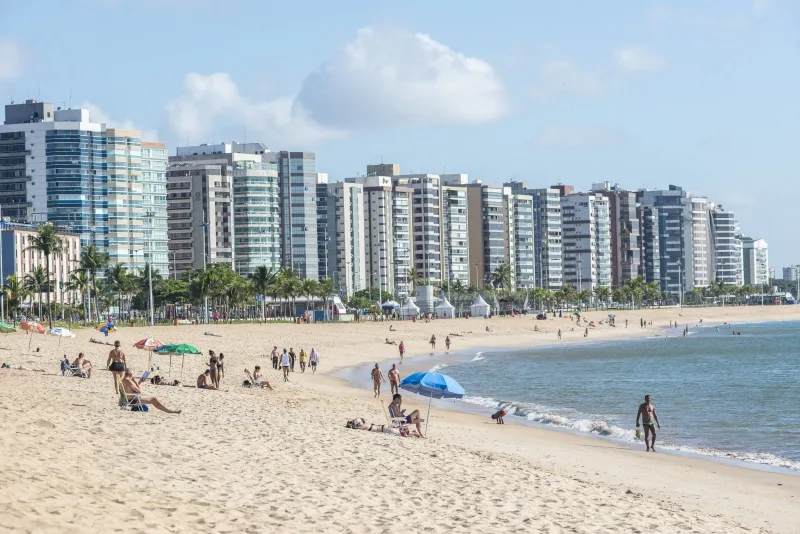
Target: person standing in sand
313	359
433	341
303	359
286	363
447	342
275	357
559	334
647	411
402	349
117	365
292	357
394	379
377	378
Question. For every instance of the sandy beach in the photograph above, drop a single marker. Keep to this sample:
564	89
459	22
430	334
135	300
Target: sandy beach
252	460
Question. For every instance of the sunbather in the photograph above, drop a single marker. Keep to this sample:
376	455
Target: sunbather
360	423
396	410
82	365
131	387
257	379
158	381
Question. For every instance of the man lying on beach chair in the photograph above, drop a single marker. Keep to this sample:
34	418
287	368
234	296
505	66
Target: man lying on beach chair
131	395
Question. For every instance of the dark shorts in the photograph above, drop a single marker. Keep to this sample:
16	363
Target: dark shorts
408	419
117	367
139	408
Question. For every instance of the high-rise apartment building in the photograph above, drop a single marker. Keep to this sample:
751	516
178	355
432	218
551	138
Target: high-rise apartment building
586	240
323	239
520	253
383	169
667	211
791	273
426	223
487	231
546	235
626	236
346	218
727	242
455	237
386	221
651	244
298	211
57	165
154	205
755	259
701	270
124	198
234	214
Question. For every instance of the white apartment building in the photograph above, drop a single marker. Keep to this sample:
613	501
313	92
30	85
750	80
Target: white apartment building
729	267
700	262
755	259
154	204
455	236
347	258
520	253
426	223
586	240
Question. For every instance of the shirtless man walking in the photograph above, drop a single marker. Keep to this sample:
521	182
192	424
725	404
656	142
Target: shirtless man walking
647	411
377	378
394	379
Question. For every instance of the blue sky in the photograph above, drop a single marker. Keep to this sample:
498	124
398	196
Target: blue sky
700	94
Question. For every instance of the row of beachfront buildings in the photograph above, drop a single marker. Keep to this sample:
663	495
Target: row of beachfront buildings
247	205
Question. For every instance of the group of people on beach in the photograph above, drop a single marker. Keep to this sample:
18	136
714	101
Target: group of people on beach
285	361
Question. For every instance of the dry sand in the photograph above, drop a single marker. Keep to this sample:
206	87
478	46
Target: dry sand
242	460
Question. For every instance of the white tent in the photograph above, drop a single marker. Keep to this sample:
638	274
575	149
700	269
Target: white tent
444	309
408	309
479	308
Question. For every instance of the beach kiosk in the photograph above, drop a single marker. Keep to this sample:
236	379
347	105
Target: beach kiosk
409	310
444	309
479	308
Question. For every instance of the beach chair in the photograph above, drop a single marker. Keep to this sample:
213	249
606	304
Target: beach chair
67	369
130	401
392	419
247	381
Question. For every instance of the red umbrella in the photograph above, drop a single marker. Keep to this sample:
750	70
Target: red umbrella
32	327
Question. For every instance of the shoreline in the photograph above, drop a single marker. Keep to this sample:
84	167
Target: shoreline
439	361
253	455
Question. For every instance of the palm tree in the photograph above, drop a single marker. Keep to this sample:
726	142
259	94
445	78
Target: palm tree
583	296
79	282
118	278
308	288
501	277
602	293
93	261
48	243
34	282
200	287
15	294
414	277
262	278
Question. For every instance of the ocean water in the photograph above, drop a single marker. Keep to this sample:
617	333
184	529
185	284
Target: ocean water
735	397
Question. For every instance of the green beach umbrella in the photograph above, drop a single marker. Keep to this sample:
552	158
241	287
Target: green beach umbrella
177	348
6	328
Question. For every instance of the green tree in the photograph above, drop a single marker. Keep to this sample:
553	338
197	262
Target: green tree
48	242
93	262
15	294
603	293
262	278
501	277
35	281
79	283
118	279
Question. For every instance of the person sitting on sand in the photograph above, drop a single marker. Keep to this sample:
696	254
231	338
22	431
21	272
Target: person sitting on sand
204	380
83	365
257	379
131	387
396	410
391	328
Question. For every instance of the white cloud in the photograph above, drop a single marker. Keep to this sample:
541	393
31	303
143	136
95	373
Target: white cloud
381	79
575	138
11	60
96	114
638	59
390	78
563	77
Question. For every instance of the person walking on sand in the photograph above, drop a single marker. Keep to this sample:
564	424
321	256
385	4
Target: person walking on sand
117	365
559	334
402	349
433	341
286	363
292	357
303	359
275	357
394	379
647	411
447	342
313	359
377	378
586	332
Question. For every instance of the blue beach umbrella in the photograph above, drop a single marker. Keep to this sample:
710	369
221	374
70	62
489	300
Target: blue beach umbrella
434	386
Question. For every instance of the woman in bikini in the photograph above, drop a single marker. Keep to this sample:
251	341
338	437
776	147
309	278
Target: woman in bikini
212	367
116	364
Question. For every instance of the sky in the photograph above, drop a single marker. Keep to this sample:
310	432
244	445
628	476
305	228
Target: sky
705	95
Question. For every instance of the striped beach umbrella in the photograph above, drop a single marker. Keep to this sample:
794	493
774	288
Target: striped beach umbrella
32	327
149	344
61	333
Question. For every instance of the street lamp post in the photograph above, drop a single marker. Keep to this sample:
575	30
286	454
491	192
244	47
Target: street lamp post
205	267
